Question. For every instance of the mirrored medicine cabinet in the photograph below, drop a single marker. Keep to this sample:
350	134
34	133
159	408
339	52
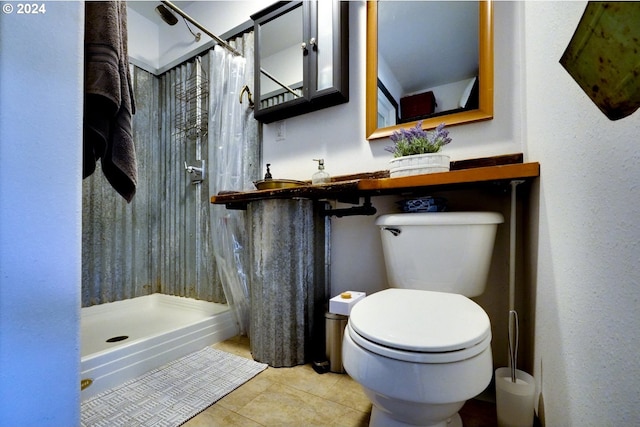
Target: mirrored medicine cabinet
301	58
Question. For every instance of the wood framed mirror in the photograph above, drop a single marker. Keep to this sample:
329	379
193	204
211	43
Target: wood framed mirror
384	113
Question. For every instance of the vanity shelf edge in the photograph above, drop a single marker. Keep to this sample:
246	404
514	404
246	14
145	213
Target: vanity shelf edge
376	186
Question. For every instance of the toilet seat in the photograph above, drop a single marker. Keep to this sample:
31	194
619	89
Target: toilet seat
420	326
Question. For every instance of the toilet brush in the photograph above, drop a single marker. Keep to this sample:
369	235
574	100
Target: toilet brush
513	315
513	343
515	390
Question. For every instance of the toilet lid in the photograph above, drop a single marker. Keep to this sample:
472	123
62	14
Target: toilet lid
414	321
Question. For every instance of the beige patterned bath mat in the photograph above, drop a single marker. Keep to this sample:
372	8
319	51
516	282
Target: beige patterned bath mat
172	394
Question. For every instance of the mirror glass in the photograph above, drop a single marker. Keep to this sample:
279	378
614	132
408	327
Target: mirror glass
429	61
281	57
325	39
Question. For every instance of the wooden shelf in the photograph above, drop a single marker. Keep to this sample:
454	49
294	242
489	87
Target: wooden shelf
463	176
355	188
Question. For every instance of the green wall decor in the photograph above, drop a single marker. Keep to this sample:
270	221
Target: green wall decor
603	56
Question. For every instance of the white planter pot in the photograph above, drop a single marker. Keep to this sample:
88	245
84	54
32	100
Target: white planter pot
418	164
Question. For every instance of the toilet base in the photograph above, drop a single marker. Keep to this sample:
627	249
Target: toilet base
382	419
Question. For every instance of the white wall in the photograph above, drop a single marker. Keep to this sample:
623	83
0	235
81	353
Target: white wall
587	244
40	215
144	43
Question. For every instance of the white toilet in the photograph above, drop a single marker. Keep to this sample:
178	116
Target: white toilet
422	348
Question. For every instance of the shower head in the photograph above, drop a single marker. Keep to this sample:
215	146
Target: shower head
166	15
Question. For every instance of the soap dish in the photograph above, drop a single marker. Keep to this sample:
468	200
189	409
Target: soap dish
269	184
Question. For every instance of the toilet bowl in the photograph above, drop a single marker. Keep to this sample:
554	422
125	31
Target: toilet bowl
419	355
419	351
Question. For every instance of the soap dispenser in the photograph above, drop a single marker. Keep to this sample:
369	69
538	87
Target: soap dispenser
267	176
321	176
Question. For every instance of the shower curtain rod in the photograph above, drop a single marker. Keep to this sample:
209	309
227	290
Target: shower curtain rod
218	40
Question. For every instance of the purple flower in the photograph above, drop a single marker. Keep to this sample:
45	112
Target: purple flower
416	140
441	134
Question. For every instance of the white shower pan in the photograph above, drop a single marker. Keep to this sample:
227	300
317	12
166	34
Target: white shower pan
125	339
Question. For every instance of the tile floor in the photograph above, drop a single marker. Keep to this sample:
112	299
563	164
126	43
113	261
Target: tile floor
299	397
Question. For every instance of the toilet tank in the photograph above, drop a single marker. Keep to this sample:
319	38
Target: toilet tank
439	251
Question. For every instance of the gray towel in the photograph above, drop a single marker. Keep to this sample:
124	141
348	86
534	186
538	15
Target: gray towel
108	99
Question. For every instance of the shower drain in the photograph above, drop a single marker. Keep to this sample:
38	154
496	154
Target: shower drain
119	338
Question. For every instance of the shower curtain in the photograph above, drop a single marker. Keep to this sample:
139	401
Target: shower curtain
234	153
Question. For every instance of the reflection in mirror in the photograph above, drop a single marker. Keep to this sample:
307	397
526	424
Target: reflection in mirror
447	58
281	58
429	61
325	70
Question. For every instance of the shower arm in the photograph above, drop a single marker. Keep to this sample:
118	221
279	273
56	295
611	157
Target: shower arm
217	39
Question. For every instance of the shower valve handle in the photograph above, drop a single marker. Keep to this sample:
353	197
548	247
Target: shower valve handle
192	169
197	172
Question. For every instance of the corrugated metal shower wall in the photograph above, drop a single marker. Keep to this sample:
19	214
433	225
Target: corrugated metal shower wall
160	242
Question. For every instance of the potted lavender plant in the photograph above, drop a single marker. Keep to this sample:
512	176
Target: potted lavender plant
417	151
